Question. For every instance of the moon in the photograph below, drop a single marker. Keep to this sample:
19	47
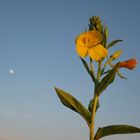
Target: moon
11	71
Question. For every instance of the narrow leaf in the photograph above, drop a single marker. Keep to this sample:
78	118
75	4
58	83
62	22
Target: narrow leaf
107	80
115	129
88	70
72	103
85	65
111	44
105	36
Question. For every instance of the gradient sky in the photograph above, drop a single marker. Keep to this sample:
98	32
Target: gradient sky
37	41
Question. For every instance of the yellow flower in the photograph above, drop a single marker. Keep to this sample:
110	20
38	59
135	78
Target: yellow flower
129	64
88	43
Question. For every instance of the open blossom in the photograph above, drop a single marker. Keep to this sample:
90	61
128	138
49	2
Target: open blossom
129	64
88	43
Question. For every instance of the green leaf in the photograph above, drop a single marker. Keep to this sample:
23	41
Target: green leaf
88	70
90	106
105	36
86	65
113	43
115	129
72	103
107	80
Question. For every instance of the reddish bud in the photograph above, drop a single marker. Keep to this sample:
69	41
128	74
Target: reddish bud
129	64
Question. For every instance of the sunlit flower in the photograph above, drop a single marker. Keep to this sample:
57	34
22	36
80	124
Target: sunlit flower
116	55
129	64
88	43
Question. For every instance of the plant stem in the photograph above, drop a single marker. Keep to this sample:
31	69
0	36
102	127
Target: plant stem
93	117
93	111
99	70
91	133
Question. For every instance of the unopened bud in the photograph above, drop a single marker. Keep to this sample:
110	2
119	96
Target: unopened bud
116	55
129	64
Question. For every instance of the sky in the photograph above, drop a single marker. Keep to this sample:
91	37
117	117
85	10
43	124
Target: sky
37	41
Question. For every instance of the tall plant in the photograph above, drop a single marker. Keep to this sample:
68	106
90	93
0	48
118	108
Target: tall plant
93	44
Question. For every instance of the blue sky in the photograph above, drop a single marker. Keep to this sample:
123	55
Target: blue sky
37	41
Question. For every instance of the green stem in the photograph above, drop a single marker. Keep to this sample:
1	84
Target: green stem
106	64
93	117
93	111
91	66
99	70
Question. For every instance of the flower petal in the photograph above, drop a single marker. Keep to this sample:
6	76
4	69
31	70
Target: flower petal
96	37
101	51
93	54
89	39
81	51
98	52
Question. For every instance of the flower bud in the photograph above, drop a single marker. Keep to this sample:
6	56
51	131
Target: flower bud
129	64
116	55
96	23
